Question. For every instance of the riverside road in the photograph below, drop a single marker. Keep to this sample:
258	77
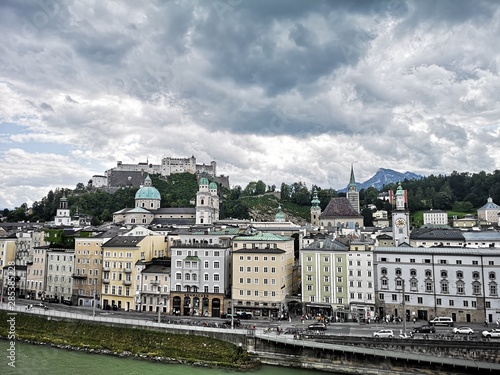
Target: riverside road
271	326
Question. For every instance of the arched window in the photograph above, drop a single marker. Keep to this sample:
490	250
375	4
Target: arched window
492	275
444	273
460	275
428	273
398	272
413	272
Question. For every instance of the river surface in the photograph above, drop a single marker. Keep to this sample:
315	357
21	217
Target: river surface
44	360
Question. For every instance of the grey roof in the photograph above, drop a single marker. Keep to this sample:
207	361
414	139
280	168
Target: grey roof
175	211
156	268
169	221
259	251
482	236
436	234
327	244
339	207
436	250
489	205
124	241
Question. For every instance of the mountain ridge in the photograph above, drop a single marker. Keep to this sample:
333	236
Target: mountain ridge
384	176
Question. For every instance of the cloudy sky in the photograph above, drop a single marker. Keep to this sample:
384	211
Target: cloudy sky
282	91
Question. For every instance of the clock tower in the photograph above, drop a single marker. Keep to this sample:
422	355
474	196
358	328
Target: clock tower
400	218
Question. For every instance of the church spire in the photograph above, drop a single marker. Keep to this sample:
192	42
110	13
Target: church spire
352	181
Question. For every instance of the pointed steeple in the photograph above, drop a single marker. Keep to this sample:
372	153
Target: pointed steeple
352	181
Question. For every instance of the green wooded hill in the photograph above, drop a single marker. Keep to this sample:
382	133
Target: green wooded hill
458	192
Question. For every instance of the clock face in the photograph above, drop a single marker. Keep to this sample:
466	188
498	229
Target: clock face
400	222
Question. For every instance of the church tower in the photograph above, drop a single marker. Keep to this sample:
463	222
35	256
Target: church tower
62	214
352	192
315	209
207	203
400	218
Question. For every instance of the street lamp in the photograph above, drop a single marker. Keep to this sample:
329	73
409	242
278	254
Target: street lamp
93	305
159	311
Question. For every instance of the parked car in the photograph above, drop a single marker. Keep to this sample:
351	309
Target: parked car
441	321
424	329
243	315
317	327
492	333
463	330
384	333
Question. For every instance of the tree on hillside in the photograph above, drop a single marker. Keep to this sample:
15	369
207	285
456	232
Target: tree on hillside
285	192
260	187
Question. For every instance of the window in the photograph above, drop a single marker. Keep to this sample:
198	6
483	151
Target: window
394	297
339	279
491	275
444	287
398	260
327	269
451	303
475	275
381	296
340	289
216	277
413	272
460	287
476	288
309	287
428	286
460	275
339	260
466	303
420	300
205	264
339	269
493	289
216	264
475	263
428	273
256	269
383	271
442	261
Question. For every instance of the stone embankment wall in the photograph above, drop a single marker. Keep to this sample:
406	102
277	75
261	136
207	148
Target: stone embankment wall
347	362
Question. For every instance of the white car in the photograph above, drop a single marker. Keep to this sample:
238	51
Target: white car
384	333
492	333
463	330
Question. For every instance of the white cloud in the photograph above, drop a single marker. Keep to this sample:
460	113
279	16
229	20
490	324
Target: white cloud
282	92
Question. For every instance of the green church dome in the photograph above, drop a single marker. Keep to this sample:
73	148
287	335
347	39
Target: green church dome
203	181
212	186
148	191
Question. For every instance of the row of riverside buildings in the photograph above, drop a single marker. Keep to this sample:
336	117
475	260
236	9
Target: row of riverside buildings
189	262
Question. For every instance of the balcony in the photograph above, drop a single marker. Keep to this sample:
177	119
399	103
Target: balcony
127	270
127	282
78	276
105	269
105	281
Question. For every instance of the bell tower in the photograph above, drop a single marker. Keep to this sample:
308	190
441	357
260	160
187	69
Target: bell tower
400	218
353	193
315	209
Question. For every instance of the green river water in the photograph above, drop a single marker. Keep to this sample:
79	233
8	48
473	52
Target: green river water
43	360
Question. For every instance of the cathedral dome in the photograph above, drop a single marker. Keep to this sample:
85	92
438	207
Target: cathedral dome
203	181
212	186
280	216
147	191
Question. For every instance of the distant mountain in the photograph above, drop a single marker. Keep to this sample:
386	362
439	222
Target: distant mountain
385	176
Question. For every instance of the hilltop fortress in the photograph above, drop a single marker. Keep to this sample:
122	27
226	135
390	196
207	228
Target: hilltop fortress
133	174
